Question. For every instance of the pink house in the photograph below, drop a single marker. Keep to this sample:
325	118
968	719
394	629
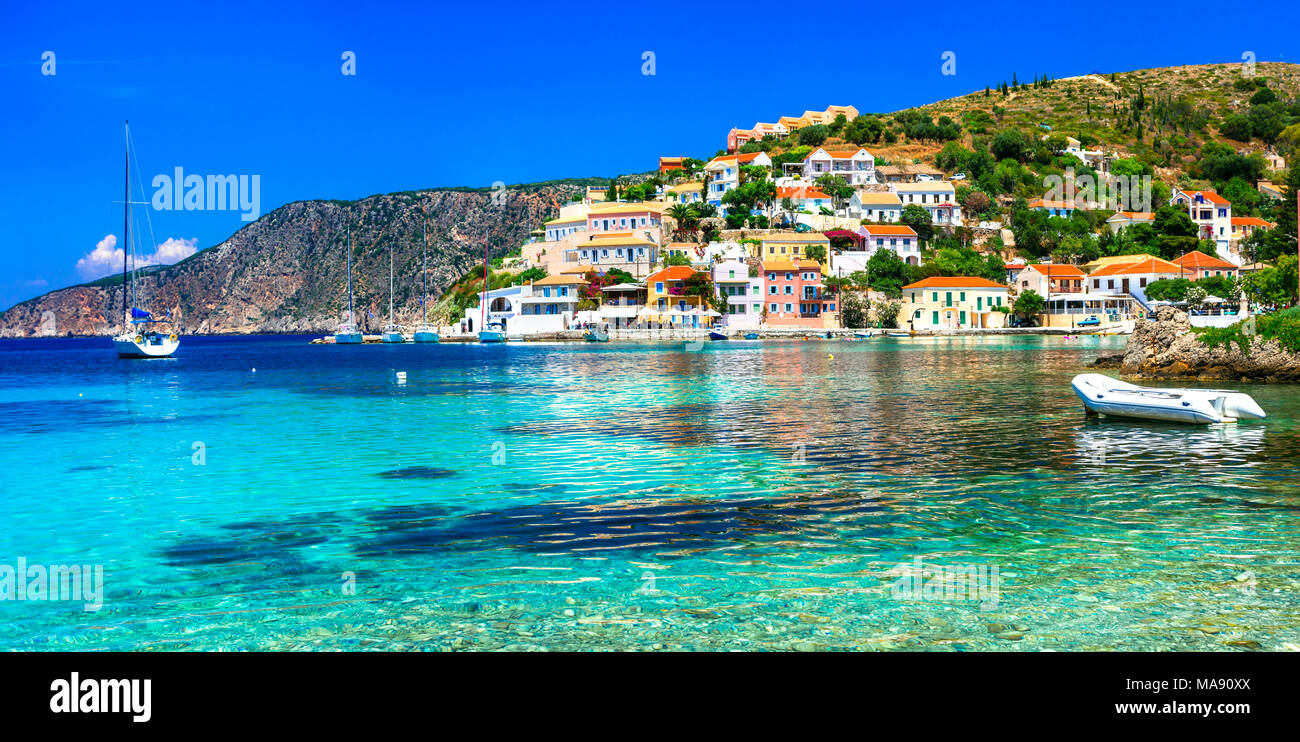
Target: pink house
795	296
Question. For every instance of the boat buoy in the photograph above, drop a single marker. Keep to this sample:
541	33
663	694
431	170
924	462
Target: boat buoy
830	356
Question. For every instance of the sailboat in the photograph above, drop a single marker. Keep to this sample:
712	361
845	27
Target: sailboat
136	341
348	334
424	332
494	332
392	332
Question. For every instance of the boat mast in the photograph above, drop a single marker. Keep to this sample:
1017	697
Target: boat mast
390	283
482	320
126	227
424	277
351	319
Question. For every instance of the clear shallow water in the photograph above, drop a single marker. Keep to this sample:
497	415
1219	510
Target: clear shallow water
626	496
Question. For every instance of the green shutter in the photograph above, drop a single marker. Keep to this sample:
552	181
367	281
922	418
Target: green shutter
934	319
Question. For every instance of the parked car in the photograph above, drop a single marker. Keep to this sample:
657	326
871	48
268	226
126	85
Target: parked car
958	176
1089	322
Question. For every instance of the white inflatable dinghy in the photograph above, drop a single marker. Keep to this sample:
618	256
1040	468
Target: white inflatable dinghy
1107	396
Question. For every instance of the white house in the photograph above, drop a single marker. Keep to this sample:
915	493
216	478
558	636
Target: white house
937	197
900	239
1133	278
723	173
561	227
1212	214
744	294
878	207
856	166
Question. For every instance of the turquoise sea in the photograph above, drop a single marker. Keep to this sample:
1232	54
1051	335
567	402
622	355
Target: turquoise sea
265	494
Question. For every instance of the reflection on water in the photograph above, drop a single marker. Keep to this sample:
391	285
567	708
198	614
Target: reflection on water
750	495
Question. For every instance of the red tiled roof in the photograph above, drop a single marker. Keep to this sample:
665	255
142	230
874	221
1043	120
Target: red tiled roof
1251	221
800	193
1059	270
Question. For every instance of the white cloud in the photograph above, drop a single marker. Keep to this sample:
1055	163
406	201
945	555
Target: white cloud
106	258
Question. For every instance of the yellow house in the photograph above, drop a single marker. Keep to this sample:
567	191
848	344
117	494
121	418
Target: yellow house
665	295
953	302
626	251
849	112
792	123
792	246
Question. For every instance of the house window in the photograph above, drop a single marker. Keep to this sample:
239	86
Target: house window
772	289
772	307
934	318
1096	283
659	287
1142	282
788	307
1110	283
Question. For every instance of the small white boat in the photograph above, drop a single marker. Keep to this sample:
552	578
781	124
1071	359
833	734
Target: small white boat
1104	395
898	334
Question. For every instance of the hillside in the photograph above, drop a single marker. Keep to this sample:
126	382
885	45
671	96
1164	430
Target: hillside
1162	115
286	272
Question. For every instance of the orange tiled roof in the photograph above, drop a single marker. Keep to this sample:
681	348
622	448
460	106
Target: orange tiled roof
888	229
672	273
1198	259
1210	196
1251	221
800	193
955	282
1060	270
1148	265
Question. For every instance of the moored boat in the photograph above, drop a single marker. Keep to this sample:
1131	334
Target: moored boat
347	333
898	333
493	333
751	336
1105	395
715	335
596	335
424	332
135	341
392	332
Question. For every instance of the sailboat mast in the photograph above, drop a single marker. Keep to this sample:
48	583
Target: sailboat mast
424	277
390	283
482	321
126	226
351	319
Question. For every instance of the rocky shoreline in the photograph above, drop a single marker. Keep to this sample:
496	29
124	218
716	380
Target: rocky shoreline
1166	347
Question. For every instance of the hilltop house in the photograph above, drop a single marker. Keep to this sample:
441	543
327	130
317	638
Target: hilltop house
795	296
1053	208
723	173
805	198
623	250
744	294
954	302
561	227
1123	219
876	206
937	197
856	165
669	164
1211	213
1245	226
898	238
790	245
624	217
690	192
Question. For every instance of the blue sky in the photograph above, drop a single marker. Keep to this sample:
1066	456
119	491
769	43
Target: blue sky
479	92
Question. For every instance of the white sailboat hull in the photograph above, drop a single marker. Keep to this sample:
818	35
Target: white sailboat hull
1108	396
146	345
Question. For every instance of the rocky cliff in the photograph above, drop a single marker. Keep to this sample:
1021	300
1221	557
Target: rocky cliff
1166	347
287	271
